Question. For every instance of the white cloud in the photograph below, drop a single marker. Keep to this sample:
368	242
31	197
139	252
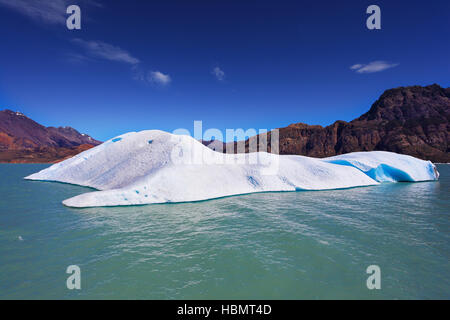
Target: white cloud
160	78
106	51
374	66
46	11
218	73
356	66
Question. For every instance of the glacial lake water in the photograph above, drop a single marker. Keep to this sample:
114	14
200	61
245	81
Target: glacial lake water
296	245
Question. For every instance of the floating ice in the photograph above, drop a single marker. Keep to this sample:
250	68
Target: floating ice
158	167
388	166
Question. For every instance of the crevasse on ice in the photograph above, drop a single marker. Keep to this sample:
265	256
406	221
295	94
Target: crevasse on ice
158	167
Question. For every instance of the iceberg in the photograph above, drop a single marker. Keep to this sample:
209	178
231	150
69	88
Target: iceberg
153	166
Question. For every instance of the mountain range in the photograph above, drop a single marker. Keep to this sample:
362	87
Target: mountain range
408	120
23	140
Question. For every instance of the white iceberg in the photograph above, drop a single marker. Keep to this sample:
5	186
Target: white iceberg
158	167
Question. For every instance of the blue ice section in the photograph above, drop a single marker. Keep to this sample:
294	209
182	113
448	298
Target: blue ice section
381	173
116	139
387	173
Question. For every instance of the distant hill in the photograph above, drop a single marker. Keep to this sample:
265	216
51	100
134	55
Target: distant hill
408	120
23	140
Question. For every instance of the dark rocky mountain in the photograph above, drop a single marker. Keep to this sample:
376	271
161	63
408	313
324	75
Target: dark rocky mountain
24	140
408	120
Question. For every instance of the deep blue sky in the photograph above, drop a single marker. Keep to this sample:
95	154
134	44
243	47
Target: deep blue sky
283	61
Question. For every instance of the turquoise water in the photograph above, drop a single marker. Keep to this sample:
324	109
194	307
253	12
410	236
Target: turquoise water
297	245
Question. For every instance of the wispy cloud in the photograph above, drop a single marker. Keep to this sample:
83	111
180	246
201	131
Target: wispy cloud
44	11
48	11
218	73
106	51
76	58
356	66
157	77
374	66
